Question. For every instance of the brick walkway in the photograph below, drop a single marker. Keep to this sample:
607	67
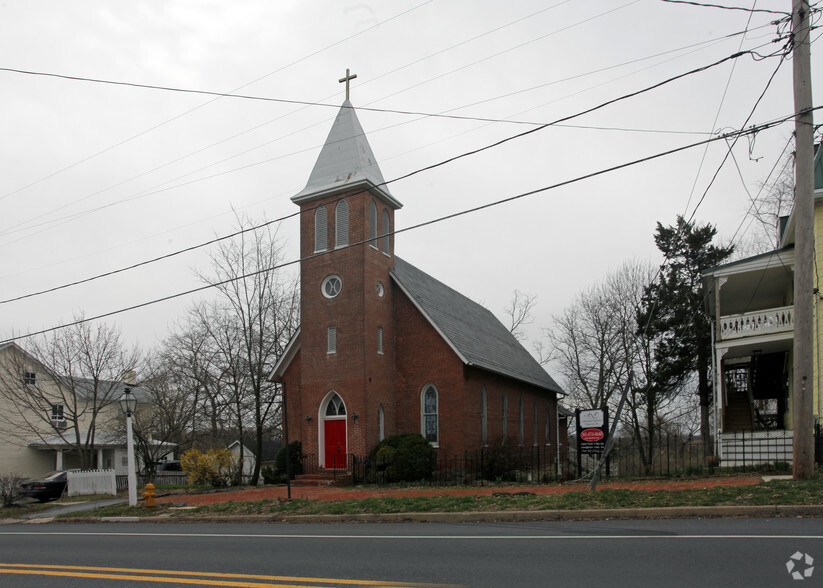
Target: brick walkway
359	493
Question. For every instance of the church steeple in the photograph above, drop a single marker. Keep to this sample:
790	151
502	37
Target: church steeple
345	162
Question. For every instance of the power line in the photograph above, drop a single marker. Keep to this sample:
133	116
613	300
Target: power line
464	212
410	174
155	127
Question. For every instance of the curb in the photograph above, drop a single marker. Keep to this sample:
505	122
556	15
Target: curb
659	513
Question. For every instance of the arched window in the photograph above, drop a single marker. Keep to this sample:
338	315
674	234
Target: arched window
505	412
321	228
372	224
341	224
335	407
381	424
386	230
428	411
484	416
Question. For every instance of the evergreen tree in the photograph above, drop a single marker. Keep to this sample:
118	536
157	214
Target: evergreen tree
672	314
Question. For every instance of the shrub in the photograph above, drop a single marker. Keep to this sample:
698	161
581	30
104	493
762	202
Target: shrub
8	488
405	458
216	467
500	462
295	462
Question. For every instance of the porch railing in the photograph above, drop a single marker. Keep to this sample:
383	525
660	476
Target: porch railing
763	322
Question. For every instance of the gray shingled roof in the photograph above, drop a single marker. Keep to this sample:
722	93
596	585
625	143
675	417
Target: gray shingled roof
346	161
473	332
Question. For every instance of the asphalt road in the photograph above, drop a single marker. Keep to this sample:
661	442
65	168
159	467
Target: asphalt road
724	552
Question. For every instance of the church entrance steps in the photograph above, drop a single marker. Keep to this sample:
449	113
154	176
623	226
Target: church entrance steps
324	478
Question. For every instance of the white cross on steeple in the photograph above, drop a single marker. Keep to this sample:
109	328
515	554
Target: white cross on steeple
347	79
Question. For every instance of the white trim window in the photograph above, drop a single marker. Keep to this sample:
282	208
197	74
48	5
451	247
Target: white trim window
58	416
321	229
381	423
372	224
332	340
29	378
341	224
430	428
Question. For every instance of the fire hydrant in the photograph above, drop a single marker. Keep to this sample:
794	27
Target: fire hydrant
149	495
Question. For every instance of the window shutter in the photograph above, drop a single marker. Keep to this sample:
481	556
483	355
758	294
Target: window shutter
332	335
341	224
321	227
372	224
386	231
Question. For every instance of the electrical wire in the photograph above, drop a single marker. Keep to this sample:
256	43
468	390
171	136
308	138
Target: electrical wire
464	212
410	174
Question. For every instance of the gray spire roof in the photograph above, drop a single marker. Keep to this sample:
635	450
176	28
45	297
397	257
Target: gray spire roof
346	161
472	331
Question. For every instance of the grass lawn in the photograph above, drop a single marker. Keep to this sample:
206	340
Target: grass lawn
784	492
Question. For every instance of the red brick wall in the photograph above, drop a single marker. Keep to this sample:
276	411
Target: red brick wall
361	377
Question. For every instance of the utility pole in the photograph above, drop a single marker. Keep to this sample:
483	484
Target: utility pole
803	380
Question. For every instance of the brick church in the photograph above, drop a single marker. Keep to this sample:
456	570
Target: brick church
385	348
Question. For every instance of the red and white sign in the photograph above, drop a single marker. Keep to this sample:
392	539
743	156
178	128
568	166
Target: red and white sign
591	435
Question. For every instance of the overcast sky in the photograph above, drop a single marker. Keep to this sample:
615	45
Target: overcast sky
96	176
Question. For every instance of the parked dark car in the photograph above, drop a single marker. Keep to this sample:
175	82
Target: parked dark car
169	466
51	487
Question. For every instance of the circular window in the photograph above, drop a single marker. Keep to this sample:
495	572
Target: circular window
380	289
332	286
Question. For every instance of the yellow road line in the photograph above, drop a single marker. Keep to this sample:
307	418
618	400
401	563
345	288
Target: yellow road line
173	576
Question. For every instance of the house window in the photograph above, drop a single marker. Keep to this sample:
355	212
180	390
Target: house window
484	416
321	228
58	418
30	378
505	425
381	424
429	414
548	423
386	230
373	224
341	224
380	340
332	340
534	423
124	461
521	432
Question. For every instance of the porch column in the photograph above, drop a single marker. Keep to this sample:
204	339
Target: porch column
99	458
58	460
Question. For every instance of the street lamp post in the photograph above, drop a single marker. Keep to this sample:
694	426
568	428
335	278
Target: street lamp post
128	403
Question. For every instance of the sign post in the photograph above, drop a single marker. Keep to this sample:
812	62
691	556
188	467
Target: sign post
592	430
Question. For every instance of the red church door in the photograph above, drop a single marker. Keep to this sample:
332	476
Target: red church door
335	432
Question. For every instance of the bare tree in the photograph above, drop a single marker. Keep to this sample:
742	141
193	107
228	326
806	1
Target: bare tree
519	312
246	330
60	385
593	340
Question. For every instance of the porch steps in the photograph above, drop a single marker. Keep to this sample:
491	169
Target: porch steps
323	479
738	414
